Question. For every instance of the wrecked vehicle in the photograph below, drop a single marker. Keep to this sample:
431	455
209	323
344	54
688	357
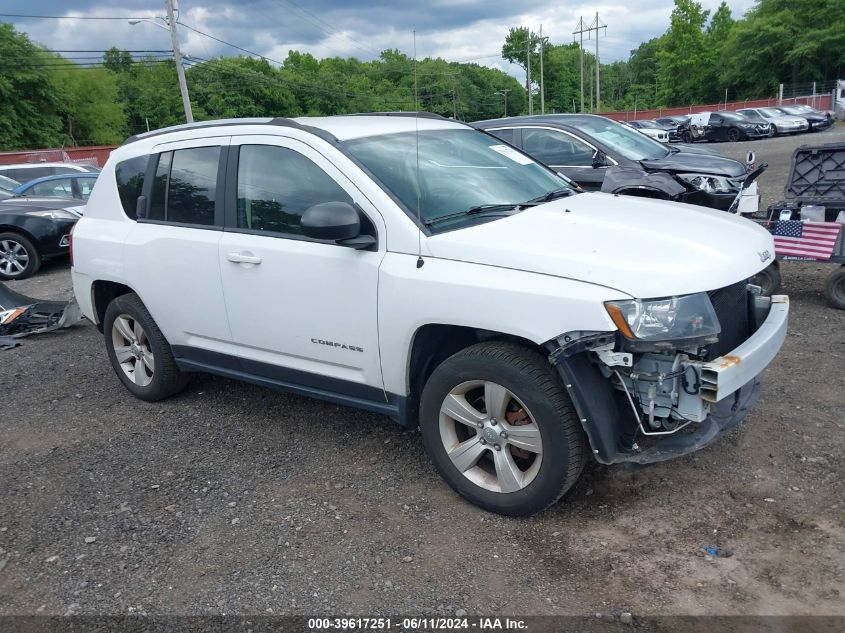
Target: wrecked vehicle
600	154
413	266
33	230
22	316
730	126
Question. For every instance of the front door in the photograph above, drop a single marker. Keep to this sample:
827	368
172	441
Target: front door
302	311
565	154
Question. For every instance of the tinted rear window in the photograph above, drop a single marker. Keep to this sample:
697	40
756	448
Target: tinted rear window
129	175
184	188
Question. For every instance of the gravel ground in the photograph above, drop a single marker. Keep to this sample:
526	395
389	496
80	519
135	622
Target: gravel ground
230	498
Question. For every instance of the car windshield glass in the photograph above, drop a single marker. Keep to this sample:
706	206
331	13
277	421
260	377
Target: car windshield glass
772	112
631	144
730	116
459	170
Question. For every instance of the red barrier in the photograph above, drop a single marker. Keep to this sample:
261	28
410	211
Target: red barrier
95	155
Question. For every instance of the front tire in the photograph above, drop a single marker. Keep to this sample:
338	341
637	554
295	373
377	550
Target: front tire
19	258
500	428
733	135
774	130
139	353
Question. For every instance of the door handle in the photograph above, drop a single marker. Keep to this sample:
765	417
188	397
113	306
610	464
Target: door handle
243	258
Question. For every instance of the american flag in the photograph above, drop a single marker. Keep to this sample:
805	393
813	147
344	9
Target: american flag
811	240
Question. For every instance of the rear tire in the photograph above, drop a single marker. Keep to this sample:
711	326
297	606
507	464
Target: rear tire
19	258
834	288
139	353
733	135
530	448
768	279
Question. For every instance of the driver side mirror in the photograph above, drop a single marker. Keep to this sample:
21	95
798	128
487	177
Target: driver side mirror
336	221
600	159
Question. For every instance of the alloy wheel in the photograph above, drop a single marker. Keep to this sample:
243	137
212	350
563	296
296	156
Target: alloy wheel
132	350
14	258
490	436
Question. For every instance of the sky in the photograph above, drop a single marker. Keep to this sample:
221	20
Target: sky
456	30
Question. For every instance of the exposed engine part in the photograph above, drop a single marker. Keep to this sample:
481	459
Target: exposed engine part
662	389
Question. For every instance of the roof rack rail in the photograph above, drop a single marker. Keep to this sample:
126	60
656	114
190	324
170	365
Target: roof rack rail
421	114
199	125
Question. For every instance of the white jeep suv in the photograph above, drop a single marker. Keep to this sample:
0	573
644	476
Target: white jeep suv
416	267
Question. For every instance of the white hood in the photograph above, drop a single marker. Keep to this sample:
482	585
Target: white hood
645	248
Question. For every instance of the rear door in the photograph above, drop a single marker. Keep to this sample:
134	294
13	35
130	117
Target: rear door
171	252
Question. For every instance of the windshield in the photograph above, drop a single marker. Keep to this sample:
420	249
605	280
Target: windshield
631	144
8	183
459	169
772	112
730	116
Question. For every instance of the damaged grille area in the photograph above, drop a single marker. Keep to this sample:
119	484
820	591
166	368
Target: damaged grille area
731	306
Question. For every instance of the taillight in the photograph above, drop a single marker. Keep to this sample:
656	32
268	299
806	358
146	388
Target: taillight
70	244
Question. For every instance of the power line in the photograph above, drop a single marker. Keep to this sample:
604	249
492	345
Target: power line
217	39
70	17
327	28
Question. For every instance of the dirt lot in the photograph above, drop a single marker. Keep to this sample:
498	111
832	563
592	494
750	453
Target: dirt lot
234	499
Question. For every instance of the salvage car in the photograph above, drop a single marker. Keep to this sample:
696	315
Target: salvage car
671	131
818	121
418	268
730	126
33	230
24	172
600	154
649	129
781	122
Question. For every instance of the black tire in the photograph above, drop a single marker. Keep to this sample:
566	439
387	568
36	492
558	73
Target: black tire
774	130
686	137
19	246
166	379
527	375
733	135
834	288
768	279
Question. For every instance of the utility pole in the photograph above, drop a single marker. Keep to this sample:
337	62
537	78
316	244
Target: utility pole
542	85
580	30
504	92
528	69
595	25
177	57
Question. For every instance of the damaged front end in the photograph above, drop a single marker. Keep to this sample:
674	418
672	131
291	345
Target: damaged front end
678	373
22	316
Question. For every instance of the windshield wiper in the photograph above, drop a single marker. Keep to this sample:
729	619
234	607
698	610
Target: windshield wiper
481	208
551	195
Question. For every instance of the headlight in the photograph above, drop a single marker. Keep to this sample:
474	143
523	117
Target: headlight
673	318
706	182
56	214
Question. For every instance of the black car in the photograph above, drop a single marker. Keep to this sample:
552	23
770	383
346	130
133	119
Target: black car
32	230
670	128
603	155
730	126
818	120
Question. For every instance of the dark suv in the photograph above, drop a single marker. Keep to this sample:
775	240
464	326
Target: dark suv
603	155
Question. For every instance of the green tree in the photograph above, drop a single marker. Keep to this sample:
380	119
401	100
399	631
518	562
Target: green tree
682	58
30	110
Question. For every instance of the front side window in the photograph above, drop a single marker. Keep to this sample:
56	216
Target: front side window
275	187
556	148
61	188
86	185
452	170
185	185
